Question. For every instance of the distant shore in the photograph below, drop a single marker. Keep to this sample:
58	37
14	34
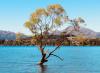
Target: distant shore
29	42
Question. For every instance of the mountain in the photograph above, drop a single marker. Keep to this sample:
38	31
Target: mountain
98	35
56	32
7	35
85	32
88	33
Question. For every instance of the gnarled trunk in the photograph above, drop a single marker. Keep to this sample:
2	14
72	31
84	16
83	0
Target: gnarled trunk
43	59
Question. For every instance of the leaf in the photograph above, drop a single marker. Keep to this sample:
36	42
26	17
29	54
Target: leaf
28	24
34	15
35	21
41	12
56	8
57	21
81	20
34	18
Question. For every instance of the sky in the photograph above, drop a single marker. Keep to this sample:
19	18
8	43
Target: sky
14	13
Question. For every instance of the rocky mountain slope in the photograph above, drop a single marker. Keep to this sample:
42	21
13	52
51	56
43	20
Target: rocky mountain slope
82	32
7	35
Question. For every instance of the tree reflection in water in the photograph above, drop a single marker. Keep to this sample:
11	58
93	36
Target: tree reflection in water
43	68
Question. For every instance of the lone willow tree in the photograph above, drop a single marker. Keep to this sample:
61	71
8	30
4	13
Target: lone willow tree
45	20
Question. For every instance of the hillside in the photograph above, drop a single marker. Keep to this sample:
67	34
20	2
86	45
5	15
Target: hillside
7	35
85	32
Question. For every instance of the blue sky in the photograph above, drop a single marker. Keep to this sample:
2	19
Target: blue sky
13	13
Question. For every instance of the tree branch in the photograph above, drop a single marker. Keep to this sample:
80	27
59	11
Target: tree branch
57	57
52	52
44	46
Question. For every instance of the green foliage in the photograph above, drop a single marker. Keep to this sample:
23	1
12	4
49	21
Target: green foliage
28	24
45	19
58	21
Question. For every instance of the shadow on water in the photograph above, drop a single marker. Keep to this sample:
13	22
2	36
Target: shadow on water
43	68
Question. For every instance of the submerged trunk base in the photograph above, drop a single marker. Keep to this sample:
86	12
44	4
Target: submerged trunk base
43	60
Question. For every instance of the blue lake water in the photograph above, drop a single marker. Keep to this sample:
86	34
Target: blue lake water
24	60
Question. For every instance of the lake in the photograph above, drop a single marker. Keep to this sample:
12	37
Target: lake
24	60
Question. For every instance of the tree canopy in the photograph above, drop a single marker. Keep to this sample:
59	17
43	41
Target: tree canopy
46	19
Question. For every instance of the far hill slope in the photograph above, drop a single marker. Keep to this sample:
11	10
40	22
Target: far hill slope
82	31
7	35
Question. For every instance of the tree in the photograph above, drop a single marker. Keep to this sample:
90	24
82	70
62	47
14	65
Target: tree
42	22
19	35
76	23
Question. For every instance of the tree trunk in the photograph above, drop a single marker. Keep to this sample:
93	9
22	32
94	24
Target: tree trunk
43	59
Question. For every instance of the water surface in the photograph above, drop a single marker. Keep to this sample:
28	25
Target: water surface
24	60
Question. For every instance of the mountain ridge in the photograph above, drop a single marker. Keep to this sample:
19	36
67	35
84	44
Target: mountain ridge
7	35
86	32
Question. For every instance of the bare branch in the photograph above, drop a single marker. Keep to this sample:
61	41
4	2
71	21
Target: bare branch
55	49
44	46
52	52
57	57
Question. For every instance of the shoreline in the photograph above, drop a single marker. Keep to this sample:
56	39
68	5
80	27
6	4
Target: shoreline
28	42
